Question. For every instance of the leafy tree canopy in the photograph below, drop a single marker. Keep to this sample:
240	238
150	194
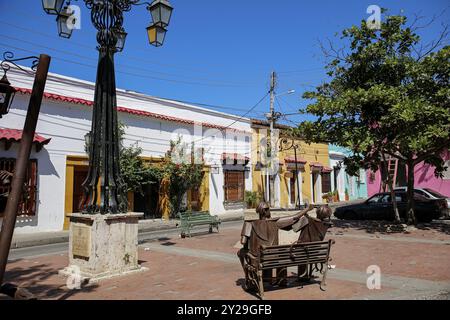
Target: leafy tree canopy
387	94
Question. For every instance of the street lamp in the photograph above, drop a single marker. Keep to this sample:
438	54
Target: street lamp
156	34
285	93
121	37
52	6
107	18
7	93
161	11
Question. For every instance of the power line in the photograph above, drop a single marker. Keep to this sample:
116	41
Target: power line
299	71
240	118
72	42
50	86
130	73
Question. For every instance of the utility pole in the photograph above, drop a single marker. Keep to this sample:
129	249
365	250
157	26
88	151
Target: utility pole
21	165
271	117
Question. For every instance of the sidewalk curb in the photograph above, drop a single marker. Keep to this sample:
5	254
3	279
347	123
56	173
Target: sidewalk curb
33	240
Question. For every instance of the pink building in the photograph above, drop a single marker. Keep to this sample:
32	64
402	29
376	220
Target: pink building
423	174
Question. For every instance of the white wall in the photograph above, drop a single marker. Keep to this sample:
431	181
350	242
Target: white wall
336	159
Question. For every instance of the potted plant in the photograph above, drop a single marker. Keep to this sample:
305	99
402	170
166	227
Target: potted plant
251	198
328	197
335	196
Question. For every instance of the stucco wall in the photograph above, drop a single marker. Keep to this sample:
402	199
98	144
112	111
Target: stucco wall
315	152
355	186
67	123
423	178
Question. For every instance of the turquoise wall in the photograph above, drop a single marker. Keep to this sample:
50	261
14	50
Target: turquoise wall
356	186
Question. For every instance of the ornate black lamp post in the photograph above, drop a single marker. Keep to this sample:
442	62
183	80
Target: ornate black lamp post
284	144
107	17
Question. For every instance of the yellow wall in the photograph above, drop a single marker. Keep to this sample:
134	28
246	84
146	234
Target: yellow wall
315	152
71	163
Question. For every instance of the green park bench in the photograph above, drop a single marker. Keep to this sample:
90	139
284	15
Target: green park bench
314	256
190	219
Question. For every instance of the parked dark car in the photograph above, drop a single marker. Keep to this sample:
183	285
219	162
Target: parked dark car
379	207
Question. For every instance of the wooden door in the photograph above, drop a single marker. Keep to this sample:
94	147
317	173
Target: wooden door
79	176
293	181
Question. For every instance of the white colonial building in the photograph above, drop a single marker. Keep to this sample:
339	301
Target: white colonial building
58	163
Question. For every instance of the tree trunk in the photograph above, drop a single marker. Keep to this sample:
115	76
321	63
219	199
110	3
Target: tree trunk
411	219
394	202
389	183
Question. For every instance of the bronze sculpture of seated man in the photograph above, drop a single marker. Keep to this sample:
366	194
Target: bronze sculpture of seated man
263	232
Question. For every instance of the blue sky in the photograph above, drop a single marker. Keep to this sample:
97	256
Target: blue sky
216	52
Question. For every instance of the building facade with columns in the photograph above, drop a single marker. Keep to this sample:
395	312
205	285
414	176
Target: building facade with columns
59	161
305	178
348	187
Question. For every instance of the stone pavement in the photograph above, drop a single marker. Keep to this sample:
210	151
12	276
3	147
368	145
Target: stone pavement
414	265
24	240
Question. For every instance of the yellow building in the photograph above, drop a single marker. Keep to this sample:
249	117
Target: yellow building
154	202
307	176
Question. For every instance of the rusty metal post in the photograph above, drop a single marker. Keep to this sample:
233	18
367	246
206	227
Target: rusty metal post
23	157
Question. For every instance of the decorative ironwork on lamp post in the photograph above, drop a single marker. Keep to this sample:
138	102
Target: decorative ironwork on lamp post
107	18
7	92
289	143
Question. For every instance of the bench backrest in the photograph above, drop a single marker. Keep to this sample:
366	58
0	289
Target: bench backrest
294	255
195	216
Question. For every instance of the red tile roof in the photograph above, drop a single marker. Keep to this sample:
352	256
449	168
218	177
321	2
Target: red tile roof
316	164
321	166
57	97
16	135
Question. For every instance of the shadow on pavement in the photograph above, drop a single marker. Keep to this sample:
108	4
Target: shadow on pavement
43	281
388	227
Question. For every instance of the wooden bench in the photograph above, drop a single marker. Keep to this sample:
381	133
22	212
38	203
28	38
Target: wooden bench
189	220
314	256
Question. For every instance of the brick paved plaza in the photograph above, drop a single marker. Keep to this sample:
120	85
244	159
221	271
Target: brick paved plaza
414	265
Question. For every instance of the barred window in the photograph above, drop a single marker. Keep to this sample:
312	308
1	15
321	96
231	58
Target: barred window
234	186
326	182
27	205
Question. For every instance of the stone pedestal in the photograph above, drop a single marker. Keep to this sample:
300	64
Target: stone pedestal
103	246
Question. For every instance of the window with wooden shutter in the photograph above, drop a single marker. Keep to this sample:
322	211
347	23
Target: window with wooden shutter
195	199
234	186
27	205
326	182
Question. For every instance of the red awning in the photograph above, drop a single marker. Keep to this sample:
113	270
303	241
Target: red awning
316	164
320	167
8	136
291	159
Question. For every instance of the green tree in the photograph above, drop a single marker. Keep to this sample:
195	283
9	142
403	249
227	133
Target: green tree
183	172
388	94
135	173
